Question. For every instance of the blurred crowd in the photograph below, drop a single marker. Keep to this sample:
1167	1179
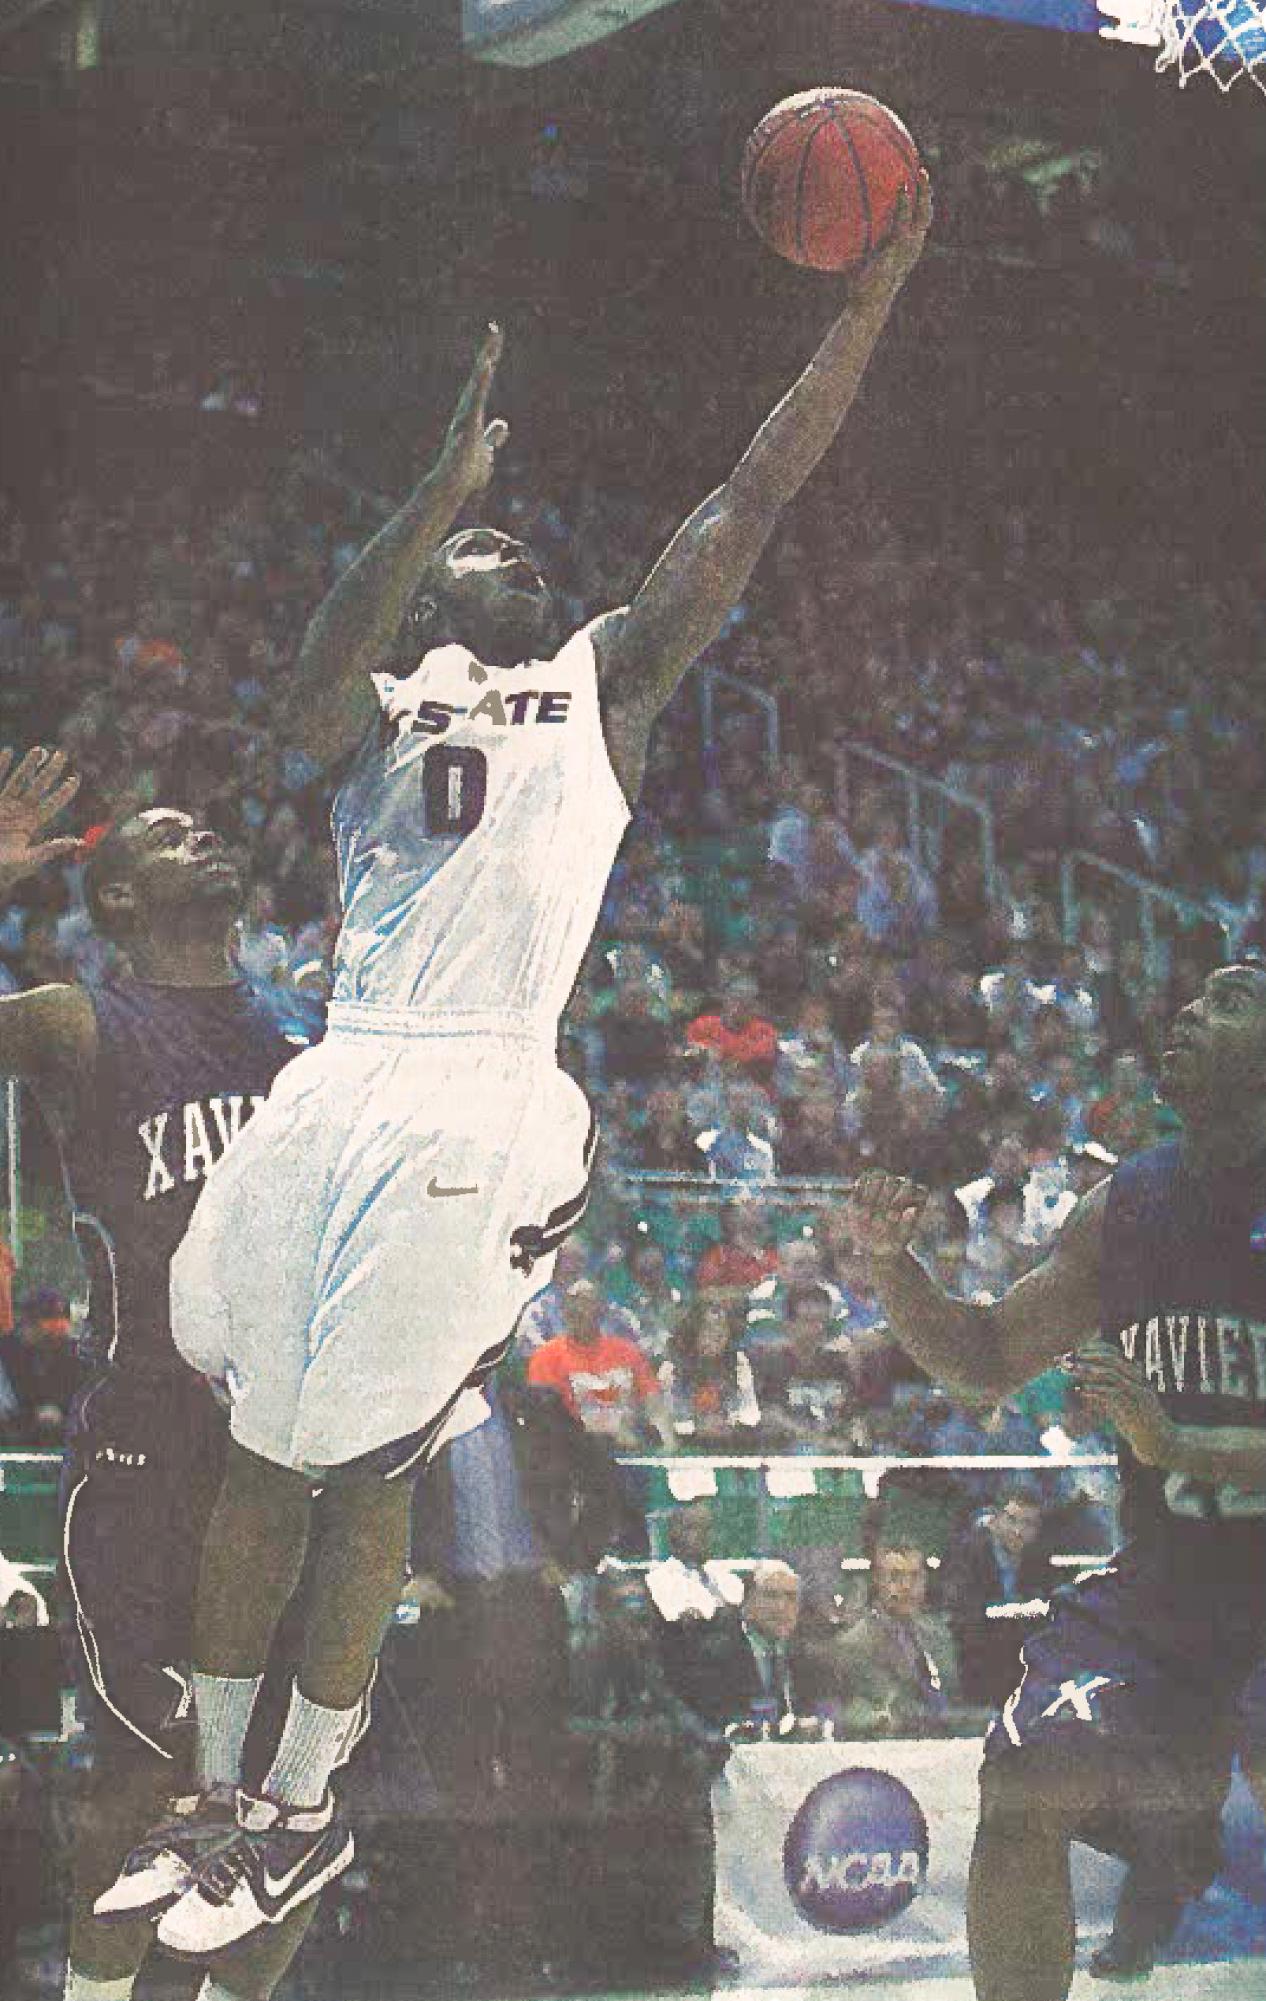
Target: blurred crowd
791	978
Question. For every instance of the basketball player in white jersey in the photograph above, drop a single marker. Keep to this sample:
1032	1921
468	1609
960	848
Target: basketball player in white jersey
357	1264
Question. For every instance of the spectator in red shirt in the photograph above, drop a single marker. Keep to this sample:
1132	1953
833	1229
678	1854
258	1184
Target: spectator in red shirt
744	1255
737	1033
604	1380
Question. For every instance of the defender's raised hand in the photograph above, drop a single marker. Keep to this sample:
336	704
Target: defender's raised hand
472	444
884	1214
32	794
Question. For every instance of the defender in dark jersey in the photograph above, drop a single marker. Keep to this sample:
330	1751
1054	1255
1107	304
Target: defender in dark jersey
1121	1729
145	1081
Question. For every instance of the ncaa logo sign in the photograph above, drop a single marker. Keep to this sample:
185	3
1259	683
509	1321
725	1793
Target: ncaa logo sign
856	1853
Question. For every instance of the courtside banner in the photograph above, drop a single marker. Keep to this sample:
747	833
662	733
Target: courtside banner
851	1859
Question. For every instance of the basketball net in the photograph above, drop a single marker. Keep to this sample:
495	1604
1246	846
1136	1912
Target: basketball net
1224	39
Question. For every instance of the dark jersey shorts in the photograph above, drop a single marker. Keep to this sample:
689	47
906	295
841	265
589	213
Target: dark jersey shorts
1115	1663
1136	1698
143	1465
142	1471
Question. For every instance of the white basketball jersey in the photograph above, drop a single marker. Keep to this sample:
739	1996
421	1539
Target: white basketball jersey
475	834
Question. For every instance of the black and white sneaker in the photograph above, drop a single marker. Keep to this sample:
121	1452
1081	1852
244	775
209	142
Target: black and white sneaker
278	1859
163	1866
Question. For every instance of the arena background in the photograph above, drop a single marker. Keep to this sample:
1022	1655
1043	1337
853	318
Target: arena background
1017	612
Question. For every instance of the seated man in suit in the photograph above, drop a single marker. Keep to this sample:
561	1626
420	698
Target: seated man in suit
774	1687
749	1671
894	1671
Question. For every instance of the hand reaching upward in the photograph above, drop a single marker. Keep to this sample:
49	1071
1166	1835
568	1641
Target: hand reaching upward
32	794
472	444
885	1211
889	267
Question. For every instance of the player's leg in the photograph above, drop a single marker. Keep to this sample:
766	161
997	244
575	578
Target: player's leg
1091	1746
1021	1927
261	1221
383	1362
251	1558
143	1463
1173	1844
360	1562
292	1840
124	1797
1149	1906
252	1561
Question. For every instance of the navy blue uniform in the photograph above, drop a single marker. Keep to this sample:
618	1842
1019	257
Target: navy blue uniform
1142	1667
179	1070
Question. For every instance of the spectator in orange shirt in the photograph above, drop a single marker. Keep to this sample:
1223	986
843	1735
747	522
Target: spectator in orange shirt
737	1033
603	1379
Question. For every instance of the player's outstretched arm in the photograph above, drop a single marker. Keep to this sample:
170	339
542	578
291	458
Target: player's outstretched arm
330	701
47	1036
645	650
978	1350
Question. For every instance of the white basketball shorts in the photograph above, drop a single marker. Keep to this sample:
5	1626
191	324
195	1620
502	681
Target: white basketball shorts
365	1247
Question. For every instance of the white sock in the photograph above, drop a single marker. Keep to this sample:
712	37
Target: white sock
84	1987
312	1742
223	1708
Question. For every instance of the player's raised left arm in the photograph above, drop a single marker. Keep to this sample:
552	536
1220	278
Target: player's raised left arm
330	699
645	650
1109	1388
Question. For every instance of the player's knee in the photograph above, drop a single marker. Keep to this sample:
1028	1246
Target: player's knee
1029	1792
257	1484
355	1498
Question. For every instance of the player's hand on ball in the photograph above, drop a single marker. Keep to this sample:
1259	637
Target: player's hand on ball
884	1214
32	794
472	444
890	267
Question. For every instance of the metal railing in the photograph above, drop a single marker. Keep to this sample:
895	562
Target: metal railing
712	678
927	803
769	1478
693	1476
708	1188
13	1164
1148	897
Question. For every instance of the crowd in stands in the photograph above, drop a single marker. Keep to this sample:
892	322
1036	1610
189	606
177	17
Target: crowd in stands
783	989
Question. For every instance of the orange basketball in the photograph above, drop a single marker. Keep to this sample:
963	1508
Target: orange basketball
821	176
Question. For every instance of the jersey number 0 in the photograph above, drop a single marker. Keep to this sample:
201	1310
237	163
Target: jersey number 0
454	790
